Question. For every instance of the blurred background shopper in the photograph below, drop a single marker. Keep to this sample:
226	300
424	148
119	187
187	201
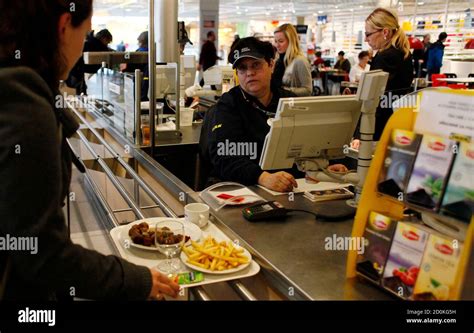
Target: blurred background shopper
292	69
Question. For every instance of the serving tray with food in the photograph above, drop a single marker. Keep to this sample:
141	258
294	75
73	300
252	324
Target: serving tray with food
207	253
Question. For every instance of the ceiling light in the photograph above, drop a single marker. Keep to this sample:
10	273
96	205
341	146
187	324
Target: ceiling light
421	3
314	14
320	11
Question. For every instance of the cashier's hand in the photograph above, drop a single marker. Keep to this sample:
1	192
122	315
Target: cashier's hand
161	286
278	181
355	144
338	168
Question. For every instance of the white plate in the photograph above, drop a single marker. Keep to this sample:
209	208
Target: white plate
184	258
190	229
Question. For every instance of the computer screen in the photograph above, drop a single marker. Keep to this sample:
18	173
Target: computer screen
310	127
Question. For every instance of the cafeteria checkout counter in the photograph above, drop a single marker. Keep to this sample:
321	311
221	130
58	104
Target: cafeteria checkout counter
127	181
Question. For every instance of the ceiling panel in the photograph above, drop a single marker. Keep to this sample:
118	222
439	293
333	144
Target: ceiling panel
243	10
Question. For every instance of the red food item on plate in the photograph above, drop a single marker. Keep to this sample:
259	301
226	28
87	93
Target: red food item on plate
228	196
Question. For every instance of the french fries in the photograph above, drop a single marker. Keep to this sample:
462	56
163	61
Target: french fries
215	256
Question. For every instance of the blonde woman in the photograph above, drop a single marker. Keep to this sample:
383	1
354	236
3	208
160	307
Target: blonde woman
384	35
292	71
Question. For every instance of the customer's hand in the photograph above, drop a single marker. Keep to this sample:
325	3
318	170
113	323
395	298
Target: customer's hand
279	181
161	286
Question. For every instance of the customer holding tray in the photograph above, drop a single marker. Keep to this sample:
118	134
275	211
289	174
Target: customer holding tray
40	41
235	129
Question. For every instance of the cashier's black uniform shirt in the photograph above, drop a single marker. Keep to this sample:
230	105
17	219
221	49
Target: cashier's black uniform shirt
238	119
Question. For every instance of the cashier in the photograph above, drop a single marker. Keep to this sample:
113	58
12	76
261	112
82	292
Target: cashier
234	130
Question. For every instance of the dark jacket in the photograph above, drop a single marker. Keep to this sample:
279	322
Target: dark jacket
208	56
35	173
237	118
435	56
76	75
279	71
400	72
343	65
93	44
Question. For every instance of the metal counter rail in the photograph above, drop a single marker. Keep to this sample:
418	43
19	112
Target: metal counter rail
242	291
166	210
112	177
199	292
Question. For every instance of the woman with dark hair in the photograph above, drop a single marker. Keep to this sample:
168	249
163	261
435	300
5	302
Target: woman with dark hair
40	41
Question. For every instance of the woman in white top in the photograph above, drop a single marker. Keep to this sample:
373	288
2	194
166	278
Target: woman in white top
362	66
297	72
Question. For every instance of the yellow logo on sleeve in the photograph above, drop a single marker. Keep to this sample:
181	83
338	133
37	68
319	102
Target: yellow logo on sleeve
216	127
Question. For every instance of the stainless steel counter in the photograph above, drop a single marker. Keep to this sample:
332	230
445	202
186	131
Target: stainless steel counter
291	253
296	248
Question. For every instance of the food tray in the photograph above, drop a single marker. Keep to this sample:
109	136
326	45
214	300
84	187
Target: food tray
152	258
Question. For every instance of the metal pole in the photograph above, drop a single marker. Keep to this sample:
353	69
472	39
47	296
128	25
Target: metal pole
168	212
415	26
112	177
446	15
152	73
242	290
200	294
138	108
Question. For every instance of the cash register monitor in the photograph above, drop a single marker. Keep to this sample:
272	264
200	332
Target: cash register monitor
312	127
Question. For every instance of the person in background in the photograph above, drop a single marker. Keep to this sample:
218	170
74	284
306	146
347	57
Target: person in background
241	116
208	56
143	42
97	43
92	43
319	61
435	55
293	70
121	47
50	37
342	63
426	45
384	35
417	46
362	66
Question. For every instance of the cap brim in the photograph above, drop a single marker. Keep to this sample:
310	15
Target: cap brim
246	56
